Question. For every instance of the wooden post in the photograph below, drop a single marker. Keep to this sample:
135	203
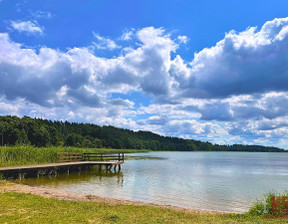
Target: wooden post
110	166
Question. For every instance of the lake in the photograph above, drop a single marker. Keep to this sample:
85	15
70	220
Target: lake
223	181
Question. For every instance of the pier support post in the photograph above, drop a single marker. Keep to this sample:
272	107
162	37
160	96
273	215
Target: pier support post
109	168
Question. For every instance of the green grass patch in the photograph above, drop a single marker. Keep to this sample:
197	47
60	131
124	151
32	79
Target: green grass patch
28	155
264	206
27	208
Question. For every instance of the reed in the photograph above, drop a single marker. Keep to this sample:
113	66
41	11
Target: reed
28	155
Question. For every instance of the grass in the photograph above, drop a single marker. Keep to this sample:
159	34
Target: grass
258	207
28	155
27	208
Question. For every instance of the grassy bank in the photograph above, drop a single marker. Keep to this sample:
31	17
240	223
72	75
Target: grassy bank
27	208
26	155
30	208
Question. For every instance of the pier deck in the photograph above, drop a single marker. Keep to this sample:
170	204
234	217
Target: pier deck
57	165
68	162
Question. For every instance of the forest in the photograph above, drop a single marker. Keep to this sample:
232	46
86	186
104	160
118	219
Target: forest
41	133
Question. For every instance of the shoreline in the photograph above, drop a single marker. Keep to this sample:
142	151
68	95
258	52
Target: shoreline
67	196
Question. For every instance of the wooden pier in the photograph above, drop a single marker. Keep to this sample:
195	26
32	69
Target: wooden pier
68	162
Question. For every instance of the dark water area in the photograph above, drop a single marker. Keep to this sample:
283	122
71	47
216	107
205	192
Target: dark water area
223	181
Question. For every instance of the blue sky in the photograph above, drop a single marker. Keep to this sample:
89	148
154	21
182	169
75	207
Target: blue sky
209	70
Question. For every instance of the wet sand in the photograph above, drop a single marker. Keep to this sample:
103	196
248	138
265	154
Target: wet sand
6	186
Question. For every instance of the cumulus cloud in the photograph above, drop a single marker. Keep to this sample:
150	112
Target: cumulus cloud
236	90
122	102
41	77
38	78
6	108
265	106
157	120
273	124
242	63
192	128
28	27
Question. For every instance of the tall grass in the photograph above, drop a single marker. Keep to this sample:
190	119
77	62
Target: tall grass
260	207
26	155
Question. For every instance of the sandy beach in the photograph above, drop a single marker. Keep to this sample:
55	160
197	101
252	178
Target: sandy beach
7	186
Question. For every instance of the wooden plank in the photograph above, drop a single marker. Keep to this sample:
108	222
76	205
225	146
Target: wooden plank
72	160
89	156
57	165
70	157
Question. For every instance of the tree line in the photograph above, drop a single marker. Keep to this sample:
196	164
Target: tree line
41	132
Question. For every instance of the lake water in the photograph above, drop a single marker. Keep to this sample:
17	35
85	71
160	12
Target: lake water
225	181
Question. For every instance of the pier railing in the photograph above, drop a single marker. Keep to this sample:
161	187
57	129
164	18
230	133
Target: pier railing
73	157
69	157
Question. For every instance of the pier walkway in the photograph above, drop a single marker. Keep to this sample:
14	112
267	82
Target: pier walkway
69	161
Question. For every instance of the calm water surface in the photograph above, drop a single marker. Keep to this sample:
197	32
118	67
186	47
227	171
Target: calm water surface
225	181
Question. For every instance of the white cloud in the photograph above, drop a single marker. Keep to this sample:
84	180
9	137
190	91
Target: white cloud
242	63
42	14
6	108
236	91
28	27
183	39
127	35
104	43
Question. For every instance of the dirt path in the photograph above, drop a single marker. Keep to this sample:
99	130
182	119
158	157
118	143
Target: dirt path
6	186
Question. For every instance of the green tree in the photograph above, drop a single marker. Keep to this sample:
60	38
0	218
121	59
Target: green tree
74	140
22	138
86	143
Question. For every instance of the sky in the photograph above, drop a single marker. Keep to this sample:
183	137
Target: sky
208	70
